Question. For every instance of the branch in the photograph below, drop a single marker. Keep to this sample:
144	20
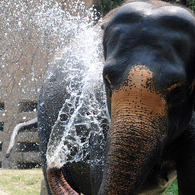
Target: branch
15	132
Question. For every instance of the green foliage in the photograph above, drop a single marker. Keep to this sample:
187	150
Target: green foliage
173	189
191	4
103	5
107	5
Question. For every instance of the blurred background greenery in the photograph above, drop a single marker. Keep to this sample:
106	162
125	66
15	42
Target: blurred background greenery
173	189
107	5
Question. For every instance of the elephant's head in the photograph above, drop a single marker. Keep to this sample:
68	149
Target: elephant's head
138	129
148	76
149	80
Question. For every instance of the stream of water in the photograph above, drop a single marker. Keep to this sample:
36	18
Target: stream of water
85	112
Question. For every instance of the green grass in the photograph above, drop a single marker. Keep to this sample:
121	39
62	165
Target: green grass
173	189
28	182
20	182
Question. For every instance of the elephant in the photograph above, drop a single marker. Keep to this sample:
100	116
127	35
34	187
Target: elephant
149	78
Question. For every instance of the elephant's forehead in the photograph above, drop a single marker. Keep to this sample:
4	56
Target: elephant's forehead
139	78
138	94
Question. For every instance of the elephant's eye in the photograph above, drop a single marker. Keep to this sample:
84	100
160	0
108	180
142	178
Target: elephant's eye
107	80
110	71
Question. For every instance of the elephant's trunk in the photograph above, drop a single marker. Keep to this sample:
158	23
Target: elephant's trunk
131	153
58	184
136	136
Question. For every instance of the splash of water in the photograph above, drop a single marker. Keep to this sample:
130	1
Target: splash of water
85	112
47	25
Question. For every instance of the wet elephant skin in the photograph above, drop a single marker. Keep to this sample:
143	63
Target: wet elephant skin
149	78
